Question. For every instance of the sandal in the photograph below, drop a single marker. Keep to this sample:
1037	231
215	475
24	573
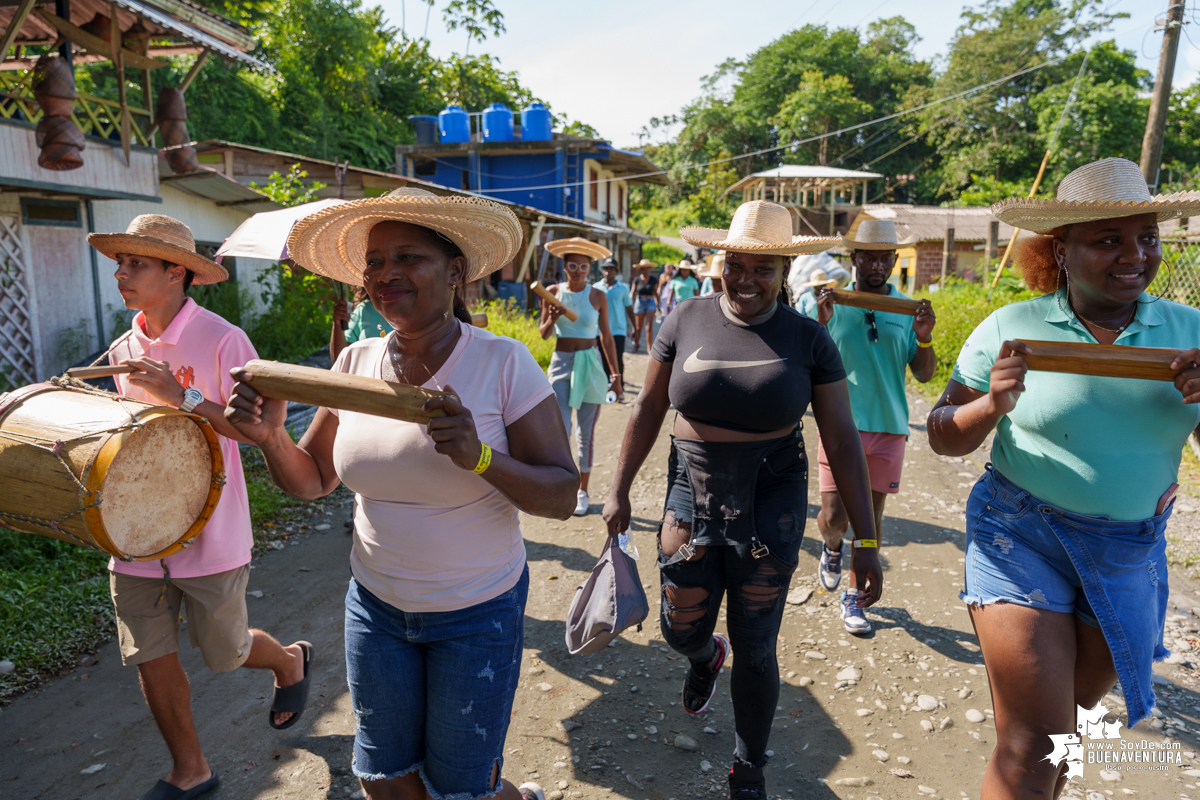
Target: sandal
292	699
169	791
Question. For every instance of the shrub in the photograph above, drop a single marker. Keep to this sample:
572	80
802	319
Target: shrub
661	253
297	316
504	319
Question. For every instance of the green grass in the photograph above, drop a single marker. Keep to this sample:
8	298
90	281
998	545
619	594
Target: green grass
506	320
960	307
54	606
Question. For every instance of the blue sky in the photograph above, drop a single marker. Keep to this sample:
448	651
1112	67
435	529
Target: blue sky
616	64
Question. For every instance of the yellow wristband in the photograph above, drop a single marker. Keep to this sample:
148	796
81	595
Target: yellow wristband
925	344
485	459
866	543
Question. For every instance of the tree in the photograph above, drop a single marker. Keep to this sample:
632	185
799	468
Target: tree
819	105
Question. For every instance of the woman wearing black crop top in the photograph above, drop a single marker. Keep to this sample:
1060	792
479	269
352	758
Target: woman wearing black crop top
741	368
644	304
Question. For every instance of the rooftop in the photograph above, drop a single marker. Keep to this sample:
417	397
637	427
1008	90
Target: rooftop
929	223
803	172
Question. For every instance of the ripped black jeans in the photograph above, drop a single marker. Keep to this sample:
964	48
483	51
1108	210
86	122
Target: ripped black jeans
753	503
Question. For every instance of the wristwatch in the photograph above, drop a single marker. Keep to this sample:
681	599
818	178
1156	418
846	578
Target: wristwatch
191	399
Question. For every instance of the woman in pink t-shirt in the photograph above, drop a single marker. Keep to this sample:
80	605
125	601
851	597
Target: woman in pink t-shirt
435	609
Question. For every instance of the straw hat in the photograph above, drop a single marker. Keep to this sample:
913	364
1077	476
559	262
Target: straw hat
333	242
1105	189
644	264
159	236
758	227
576	244
876	234
819	277
714	268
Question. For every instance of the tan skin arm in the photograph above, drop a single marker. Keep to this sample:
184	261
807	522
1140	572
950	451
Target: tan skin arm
156	378
924	363
538	476
649	411
963	417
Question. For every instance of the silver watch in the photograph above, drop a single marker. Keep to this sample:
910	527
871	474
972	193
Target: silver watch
191	399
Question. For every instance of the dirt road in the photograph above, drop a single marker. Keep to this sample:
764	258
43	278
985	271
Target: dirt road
903	714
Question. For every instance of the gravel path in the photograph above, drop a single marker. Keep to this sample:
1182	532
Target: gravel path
903	714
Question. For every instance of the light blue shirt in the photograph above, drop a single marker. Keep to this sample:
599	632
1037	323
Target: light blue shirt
1098	446
618	301
874	370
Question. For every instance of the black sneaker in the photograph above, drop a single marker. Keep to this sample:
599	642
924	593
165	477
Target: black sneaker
698	690
746	782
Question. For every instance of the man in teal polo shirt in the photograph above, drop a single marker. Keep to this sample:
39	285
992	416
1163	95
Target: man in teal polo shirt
620	317
876	347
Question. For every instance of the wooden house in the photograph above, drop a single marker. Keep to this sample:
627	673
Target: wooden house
822	200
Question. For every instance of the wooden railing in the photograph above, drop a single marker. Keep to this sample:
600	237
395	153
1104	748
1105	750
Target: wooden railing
95	116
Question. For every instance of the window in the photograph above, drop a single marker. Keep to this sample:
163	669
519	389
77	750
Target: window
57	213
620	202
593	190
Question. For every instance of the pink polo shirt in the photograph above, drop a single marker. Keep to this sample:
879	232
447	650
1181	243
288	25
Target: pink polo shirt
201	349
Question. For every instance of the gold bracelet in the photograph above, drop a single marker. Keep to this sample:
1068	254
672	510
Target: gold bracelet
485	459
924	344
866	543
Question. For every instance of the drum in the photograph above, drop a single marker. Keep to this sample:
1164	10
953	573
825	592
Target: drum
93	468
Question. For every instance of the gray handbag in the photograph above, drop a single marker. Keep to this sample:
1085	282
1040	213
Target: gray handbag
608	602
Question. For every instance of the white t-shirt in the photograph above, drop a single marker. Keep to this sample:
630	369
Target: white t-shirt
428	535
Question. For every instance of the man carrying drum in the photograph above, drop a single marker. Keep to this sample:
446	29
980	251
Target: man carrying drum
875	346
182	355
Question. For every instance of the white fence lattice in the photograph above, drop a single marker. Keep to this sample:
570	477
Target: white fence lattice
17	363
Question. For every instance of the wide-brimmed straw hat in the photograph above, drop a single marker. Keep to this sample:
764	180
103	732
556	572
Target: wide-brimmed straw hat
578	245
876	234
160	236
645	264
333	242
714	268
819	277
1105	189
758	227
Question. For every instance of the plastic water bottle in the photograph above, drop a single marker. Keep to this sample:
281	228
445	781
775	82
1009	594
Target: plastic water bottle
611	397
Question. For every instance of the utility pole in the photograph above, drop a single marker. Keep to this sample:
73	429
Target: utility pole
1156	121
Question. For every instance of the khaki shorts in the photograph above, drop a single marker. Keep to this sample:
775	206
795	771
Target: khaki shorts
217	621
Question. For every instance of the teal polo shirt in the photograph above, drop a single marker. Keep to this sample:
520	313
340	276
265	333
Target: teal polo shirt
874	370
618	301
365	322
1100	446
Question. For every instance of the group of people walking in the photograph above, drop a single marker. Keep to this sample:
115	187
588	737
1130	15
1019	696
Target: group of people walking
1066	576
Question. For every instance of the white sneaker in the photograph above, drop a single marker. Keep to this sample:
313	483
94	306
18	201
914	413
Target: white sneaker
581	504
531	791
829	570
853	618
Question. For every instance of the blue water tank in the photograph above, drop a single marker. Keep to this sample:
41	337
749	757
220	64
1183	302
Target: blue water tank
536	123
454	125
497	123
426	129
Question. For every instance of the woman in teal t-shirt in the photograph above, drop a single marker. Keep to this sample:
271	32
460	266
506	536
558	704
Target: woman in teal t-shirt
362	319
683	286
1066	574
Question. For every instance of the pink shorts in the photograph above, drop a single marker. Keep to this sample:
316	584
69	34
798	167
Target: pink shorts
885	462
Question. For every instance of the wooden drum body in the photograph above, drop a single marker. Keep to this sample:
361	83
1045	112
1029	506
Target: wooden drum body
134	480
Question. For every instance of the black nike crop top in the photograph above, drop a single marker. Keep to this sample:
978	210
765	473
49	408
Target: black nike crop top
750	378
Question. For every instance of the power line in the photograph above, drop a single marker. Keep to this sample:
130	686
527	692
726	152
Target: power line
798	142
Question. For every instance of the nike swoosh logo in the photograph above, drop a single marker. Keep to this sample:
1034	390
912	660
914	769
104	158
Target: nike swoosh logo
694	363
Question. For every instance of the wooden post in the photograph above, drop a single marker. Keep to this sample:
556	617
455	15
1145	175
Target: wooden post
147	86
114	32
947	254
1156	119
14	27
534	238
993	239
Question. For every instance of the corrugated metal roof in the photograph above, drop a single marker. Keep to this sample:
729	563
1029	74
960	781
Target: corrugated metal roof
929	223
193	34
221	190
804	172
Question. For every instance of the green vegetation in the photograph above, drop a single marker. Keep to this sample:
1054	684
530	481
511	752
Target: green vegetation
506	320
661	253
960	307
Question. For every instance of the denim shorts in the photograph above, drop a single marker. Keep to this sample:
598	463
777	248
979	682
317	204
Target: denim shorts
1013	556
433	692
644	305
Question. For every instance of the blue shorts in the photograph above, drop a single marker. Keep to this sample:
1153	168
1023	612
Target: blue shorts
433	692
1014	557
644	305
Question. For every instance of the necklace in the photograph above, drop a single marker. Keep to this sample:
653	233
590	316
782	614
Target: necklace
1121	329
394	357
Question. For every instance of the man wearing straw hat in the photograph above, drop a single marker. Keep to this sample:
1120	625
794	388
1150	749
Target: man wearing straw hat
182	355
876	347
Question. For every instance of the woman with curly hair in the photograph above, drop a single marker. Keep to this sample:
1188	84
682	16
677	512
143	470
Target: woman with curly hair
1066	572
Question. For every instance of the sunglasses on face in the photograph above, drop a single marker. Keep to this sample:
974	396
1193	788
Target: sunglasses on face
872	331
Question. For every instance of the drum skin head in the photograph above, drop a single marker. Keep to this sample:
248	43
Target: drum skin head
157	485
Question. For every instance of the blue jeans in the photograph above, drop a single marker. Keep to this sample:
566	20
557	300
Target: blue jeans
1111	574
433	692
752	567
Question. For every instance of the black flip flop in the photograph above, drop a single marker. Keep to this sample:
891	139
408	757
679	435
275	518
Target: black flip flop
292	698
169	791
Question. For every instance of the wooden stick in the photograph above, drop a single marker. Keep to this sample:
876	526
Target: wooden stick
876	302
479	320
544	293
83	373
94	44
320	387
1012	240
1102	360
